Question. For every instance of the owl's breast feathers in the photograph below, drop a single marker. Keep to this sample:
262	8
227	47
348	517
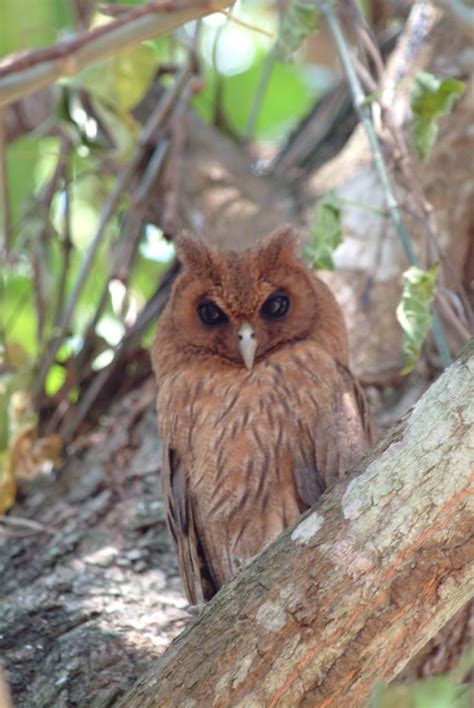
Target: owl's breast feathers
247	451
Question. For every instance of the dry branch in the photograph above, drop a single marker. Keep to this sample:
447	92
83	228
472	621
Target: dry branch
355	590
35	69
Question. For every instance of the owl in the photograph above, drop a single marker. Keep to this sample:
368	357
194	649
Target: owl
257	408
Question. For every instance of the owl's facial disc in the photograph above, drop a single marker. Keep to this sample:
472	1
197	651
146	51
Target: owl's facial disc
247	343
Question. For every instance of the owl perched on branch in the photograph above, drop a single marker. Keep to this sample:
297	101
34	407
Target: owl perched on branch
257	408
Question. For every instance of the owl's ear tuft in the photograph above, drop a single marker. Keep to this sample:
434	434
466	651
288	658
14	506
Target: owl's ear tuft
194	253
280	246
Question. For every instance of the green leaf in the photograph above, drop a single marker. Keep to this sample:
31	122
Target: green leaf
326	234
430	99
414	311
437	692
300	21
121	81
55	379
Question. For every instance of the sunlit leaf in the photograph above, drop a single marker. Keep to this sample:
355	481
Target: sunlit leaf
121	81
430	99
300	21
55	379
103	360
326	234
414	311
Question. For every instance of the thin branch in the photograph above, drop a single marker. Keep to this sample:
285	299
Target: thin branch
38	262
152	309
4	196
126	247
175	164
263	82
32	70
67	246
363	112
246	25
107	212
156	120
423	209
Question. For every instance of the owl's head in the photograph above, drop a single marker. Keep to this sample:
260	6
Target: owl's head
241	306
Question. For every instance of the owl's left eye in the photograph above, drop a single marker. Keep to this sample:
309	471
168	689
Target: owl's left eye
210	314
275	307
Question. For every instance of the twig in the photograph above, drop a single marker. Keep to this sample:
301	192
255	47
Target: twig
363	112
19	522
263	82
29	72
237	21
154	123
174	171
124	252
148	314
38	258
67	247
107	211
423	209
157	118
4	196
369	41
41	240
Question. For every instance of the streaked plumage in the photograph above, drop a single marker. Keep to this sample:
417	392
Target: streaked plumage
257	408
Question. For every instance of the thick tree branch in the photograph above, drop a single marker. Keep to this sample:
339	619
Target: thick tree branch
33	70
349	595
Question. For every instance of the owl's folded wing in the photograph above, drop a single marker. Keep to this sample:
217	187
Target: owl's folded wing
341	435
194	569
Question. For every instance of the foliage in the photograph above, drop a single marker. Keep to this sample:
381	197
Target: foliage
446	691
60	178
431	98
326	233
300	21
414	312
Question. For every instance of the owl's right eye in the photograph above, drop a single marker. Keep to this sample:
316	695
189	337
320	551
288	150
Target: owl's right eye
210	314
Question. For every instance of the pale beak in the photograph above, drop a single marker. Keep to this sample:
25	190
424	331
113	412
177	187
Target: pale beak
247	343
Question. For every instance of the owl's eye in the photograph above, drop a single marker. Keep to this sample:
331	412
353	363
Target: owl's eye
276	307
210	314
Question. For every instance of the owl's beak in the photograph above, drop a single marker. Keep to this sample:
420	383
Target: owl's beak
247	343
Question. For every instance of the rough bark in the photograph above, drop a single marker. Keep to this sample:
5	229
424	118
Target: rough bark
355	589
91	595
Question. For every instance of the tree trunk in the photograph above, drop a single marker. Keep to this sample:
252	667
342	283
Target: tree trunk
351	593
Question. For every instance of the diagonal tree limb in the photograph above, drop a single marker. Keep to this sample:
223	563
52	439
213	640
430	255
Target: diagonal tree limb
351	593
33	70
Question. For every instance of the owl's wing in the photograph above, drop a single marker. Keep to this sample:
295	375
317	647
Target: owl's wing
194	569
338	438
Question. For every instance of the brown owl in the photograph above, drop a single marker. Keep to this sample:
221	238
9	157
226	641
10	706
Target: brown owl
257	408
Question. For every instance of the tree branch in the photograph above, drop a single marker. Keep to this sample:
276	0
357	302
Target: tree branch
352	592
363	111
33	70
